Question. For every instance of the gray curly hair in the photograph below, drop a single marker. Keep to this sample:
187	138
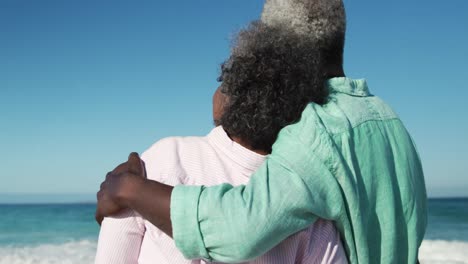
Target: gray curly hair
322	20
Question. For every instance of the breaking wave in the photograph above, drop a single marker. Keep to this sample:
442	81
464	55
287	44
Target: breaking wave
77	252
83	252
442	251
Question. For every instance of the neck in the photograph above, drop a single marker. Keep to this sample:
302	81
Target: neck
248	146
334	71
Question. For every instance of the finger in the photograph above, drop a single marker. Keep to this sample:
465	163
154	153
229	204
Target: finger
134	164
109	174
121	168
99	194
143	166
97	215
99	218
102	187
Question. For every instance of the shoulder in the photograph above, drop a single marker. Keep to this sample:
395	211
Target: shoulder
165	159
173	149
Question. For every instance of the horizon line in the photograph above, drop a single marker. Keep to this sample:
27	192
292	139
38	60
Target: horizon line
89	198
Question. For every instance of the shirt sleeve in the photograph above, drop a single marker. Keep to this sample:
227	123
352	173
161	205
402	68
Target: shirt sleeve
121	236
120	239
286	194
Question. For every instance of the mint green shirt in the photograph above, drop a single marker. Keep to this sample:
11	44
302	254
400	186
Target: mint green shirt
351	161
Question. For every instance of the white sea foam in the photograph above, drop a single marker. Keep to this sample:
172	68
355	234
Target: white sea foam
443	252
79	252
83	252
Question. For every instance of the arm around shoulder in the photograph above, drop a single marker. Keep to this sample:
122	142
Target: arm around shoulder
235	224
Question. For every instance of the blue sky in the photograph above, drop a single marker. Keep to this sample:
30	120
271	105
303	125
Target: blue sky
83	83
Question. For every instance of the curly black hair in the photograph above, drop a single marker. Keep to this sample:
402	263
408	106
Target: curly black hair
271	75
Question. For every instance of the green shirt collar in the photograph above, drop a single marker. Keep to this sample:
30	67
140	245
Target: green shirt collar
349	86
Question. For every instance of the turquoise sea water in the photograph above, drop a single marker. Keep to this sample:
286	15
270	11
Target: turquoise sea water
448	219
67	233
29	225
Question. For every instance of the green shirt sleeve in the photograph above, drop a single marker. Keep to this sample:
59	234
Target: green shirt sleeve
233	224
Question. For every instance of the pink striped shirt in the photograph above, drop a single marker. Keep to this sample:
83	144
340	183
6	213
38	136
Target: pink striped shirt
210	160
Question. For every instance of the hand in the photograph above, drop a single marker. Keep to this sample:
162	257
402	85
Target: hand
119	184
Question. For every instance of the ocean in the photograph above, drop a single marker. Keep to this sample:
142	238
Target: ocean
67	233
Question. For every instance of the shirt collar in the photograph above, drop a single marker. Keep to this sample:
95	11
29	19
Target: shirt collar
246	158
349	86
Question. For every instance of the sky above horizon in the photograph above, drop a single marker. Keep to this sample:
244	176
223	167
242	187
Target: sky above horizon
84	83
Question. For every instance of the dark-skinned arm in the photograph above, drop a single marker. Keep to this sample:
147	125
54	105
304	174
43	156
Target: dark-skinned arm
152	200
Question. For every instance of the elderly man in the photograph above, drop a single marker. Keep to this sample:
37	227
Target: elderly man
350	160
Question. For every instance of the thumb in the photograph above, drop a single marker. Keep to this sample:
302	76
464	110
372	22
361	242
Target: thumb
135	163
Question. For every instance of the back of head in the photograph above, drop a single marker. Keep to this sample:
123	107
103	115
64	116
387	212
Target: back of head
272	74
322	20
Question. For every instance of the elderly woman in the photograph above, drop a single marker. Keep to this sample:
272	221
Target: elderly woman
266	83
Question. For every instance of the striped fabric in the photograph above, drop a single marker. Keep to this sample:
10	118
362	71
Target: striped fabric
210	160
